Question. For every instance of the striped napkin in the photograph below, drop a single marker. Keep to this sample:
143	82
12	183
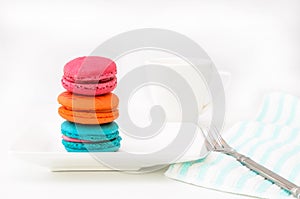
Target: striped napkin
272	139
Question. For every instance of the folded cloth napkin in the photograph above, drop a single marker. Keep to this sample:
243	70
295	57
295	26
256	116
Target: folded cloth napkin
273	140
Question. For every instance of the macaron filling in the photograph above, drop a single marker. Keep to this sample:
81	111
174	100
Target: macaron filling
104	79
69	139
89	138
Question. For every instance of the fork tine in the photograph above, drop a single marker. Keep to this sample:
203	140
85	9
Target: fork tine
209	134
222	142
217	136
208	140
213	140
205	136
208	145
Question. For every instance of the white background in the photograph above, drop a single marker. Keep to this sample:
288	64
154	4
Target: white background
257	41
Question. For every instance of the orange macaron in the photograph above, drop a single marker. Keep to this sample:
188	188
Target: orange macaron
88	109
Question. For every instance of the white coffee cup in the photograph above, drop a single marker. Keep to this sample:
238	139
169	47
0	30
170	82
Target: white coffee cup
168	101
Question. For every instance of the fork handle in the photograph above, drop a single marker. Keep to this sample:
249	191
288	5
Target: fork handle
268	174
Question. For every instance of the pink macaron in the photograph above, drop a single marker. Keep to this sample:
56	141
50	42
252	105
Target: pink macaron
91	75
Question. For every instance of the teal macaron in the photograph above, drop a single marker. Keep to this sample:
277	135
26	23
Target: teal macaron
95	133
93	138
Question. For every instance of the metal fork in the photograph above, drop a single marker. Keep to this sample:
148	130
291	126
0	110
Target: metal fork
215	142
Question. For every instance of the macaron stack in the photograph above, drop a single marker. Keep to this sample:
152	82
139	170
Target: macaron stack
89	106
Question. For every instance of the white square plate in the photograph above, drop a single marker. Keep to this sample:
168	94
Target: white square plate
42	145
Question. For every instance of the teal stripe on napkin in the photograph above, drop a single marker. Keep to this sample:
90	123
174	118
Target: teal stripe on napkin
279	109
293	111
264	109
